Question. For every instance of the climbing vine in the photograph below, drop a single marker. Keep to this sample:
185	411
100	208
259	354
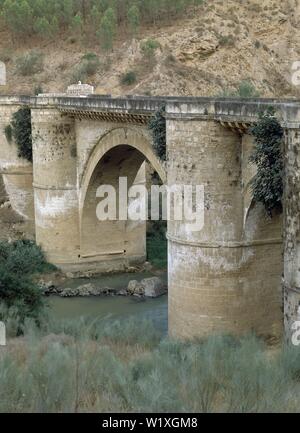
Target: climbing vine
267	185
157	126
21	131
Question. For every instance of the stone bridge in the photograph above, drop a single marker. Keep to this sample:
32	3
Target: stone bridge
224	278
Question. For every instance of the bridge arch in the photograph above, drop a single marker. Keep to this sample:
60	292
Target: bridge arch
118	137
121	152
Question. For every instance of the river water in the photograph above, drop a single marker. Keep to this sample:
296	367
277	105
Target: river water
117	307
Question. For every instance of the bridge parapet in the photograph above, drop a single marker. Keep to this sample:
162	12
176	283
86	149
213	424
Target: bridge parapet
229	110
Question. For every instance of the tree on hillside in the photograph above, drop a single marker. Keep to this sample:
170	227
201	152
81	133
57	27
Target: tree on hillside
94	19
107	29
43	27
77	25
83	6
64	11
103	5
54	25
25	17
133	16
19	16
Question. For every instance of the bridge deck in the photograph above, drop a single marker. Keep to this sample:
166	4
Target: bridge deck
187	108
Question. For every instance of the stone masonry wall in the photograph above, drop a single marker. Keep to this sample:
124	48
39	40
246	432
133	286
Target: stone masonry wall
292	230
218	282
55	185
16	172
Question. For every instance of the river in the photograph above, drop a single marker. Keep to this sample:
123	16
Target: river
116	307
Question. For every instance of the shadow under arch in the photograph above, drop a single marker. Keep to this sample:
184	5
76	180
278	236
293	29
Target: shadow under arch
121	152
113	138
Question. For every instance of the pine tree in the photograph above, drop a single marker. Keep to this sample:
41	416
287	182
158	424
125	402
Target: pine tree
133	16
54	25
107	29
101	17
67	11
77	25
43	28
95	19
18	16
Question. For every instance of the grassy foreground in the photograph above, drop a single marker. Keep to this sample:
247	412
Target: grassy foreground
79	366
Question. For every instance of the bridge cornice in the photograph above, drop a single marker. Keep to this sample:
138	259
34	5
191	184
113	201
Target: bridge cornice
109	116
232	112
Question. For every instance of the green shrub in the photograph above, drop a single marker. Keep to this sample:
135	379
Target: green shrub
21	293
226	41
257	44
22	133
267	185
149	47
19	261
115	371
38	89
128	79
30	64
157	245
87	67
157	126
90	63
89	57
23	257
245	89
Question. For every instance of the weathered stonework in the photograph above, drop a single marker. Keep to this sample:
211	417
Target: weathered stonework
216	275
55	185
292	229
2	74
224	278
16	173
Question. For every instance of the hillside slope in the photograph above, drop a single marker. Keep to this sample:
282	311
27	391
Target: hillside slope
212	49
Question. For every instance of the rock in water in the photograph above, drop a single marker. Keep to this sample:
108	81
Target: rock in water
108	291
122	292
135	288
153	287
69	293
85	290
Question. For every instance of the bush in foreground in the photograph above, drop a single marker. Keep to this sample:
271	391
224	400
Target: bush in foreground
105	366
19	262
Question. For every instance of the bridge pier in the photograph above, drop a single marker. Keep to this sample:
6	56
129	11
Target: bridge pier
225	278
292	229
16	173
55	186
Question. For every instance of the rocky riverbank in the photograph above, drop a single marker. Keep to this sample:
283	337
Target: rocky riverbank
146	288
